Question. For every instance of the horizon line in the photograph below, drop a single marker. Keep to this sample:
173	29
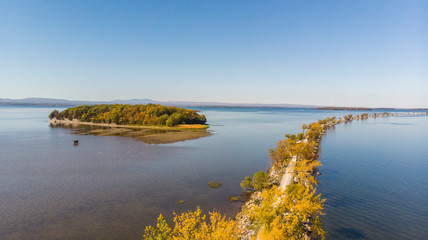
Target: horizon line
67	102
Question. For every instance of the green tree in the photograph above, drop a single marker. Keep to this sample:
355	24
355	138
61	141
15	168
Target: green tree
260	180
246	183
53	114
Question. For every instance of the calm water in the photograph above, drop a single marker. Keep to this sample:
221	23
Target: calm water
112	187
375	179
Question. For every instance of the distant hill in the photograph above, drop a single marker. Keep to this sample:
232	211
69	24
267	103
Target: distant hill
42	102
354	108
64	102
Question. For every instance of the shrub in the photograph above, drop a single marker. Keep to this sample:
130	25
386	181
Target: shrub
260	180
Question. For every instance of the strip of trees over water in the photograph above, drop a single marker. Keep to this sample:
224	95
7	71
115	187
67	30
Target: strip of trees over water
271	212
125	114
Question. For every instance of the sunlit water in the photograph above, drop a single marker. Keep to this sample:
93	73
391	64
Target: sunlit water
112	187
375	179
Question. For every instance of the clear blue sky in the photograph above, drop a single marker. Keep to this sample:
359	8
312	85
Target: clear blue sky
346	53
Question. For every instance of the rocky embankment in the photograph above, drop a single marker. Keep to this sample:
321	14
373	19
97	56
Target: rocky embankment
286	175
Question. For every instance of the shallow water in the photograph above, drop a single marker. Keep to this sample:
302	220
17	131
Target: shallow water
375	179
112	187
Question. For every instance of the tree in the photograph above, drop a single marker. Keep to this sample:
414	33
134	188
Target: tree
193	225
150	114
53	114
246	183
260	180
304	128
161	232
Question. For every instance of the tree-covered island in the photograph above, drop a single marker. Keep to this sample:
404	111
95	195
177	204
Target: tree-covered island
121	114
152	123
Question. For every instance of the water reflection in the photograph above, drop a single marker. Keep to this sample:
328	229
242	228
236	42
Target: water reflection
147	135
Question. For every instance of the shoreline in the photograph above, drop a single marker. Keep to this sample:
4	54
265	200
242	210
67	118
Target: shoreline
147	134
247	228
114	125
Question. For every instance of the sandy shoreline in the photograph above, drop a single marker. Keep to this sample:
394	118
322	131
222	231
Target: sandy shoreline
148	134
77	122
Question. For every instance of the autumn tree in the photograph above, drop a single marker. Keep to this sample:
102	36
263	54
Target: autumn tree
259	181
193	225
304	128
125	114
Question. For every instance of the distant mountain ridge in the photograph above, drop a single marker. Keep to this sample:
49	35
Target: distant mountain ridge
64	102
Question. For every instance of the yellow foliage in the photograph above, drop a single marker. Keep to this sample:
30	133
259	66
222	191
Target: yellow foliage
282	154
192	225
277	214
189	225
161	232
283	214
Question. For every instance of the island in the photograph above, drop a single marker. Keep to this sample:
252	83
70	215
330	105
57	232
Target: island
151	123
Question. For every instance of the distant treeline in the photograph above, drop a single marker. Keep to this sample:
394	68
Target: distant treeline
353	108
149	115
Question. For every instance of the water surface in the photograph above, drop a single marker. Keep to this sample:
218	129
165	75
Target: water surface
112	187
375	179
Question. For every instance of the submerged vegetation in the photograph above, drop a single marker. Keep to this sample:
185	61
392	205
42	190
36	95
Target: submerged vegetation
125	114
214	184
283	202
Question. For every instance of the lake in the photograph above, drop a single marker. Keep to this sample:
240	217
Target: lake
375	179
111	187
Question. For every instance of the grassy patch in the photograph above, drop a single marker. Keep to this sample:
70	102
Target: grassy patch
198	126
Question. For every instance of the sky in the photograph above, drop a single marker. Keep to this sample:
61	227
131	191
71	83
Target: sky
331	53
